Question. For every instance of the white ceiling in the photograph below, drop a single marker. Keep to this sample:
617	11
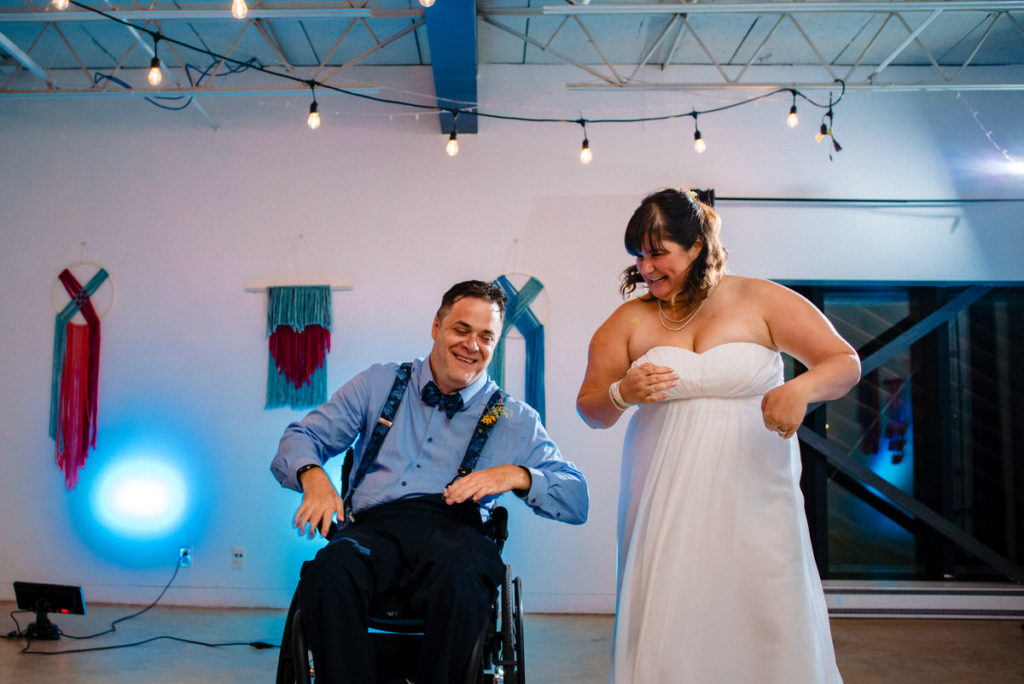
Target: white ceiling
970	44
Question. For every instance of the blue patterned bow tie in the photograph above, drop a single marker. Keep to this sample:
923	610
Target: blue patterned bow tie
432	396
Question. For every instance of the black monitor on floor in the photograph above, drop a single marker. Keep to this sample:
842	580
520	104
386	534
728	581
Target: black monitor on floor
47	598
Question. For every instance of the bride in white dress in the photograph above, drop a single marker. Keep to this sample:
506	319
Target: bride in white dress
716	577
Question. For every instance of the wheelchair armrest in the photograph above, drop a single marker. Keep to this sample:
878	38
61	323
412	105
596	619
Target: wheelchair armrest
496	527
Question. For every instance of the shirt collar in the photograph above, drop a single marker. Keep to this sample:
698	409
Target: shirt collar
422	375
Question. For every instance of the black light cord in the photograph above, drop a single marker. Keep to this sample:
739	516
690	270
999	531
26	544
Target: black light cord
157	36
259	645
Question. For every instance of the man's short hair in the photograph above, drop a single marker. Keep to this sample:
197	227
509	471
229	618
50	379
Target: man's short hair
472	288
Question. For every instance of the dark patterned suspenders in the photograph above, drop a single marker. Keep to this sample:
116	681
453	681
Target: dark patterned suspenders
488	418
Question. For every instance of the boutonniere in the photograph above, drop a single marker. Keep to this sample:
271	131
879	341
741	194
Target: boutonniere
494	413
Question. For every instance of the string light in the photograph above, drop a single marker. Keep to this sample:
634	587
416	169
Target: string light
826	130
586	156
239	9
427	3
313	121
155	76
698	142
452	147
792	119
60	4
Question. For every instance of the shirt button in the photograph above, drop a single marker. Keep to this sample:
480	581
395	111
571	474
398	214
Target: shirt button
430	439
403	484
418	465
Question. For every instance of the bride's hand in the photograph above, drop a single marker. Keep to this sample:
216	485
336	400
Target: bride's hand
647	383
783	409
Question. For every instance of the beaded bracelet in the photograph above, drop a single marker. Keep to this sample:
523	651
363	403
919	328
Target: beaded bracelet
616	396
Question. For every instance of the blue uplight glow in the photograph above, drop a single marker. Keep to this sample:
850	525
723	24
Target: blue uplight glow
146	491
139	497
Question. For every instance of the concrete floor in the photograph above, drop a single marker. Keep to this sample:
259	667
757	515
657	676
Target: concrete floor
560	649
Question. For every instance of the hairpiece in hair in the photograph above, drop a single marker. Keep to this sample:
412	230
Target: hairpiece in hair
690	195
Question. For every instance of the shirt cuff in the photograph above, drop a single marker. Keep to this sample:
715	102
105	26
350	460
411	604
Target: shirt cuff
538	488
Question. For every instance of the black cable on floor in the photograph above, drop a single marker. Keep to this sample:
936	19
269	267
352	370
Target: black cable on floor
258	645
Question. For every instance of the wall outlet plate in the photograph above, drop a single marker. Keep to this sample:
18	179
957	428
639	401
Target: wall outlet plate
185	557
237	558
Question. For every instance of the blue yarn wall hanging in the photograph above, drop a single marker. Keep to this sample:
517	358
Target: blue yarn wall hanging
519	314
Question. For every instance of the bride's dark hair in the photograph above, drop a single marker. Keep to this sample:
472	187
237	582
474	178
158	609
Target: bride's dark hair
680	217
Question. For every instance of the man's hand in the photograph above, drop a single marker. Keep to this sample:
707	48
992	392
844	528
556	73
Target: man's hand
320	503
488	482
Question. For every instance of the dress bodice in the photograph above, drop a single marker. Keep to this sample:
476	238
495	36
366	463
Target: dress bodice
730	371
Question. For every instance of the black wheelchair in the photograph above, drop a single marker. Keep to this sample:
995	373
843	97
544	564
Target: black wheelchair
499	655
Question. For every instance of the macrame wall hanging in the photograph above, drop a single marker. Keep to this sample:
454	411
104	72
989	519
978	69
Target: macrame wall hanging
519	314
74	383
299	328
299	332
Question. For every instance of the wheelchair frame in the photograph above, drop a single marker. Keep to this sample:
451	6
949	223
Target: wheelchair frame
499	657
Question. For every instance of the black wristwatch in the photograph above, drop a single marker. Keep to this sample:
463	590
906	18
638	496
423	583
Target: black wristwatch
298	473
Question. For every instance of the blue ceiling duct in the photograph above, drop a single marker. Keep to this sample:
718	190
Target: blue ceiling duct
451	35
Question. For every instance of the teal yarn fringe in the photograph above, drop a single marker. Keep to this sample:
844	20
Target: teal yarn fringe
298	306
281	393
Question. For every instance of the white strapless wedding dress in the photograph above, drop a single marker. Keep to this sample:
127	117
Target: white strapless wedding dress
717	581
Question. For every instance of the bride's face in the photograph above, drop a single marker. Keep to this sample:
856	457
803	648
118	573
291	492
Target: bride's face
664	267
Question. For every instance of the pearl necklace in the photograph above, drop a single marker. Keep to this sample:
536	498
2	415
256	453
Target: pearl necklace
663	317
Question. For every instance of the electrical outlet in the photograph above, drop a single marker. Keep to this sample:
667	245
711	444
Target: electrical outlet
237	558
185	557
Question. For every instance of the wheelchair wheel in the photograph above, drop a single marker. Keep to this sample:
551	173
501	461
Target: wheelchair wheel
512	651
520	645
302	656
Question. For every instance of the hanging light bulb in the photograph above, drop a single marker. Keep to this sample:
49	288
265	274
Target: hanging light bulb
155	76
239	9
698	142
586	156
452	148
60	4
427	3
792	119
822	132
314	116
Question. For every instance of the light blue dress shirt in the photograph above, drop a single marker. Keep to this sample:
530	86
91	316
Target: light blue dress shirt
424	449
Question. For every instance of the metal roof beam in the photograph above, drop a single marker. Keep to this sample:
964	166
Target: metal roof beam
907	41
205	15
920	86
22	57
92	93
781	7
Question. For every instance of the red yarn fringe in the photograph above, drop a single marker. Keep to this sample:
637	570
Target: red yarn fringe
298	354
76	428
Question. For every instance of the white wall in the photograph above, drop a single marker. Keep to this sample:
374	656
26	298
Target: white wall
181	215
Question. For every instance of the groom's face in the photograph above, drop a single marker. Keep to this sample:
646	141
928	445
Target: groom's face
464	342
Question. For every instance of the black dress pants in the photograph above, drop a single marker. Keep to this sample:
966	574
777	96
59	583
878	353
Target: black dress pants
435	554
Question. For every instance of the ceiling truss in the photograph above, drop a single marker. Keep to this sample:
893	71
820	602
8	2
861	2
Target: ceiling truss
715	45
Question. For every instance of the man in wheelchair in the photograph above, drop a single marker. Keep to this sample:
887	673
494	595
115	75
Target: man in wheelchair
428	466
